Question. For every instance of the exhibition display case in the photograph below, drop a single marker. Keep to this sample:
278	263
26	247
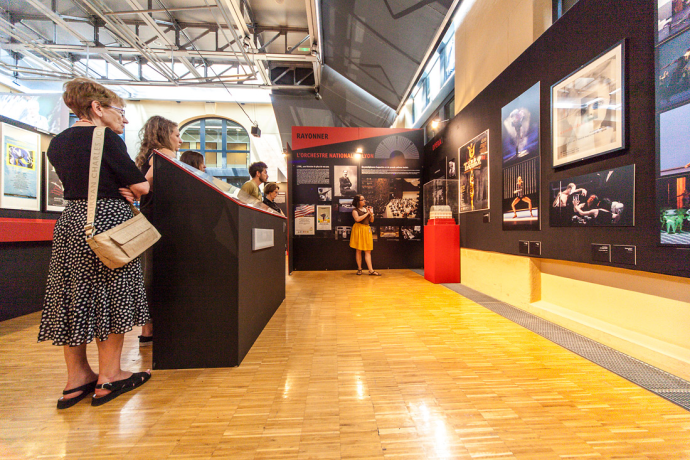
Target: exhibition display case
218	271
441	200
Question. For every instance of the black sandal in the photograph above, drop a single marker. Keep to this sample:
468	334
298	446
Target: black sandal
119	387
359	272
86	390
374	273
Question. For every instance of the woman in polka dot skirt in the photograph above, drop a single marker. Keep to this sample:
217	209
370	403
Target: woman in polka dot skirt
85	300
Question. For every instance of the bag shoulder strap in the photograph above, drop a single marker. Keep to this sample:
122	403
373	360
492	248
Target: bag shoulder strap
94	174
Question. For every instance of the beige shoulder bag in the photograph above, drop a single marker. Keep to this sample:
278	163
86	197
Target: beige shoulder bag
119	245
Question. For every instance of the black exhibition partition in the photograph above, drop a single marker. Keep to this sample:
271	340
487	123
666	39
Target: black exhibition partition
587	30
212	295
327	167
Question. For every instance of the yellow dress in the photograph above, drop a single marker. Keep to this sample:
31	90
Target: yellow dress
361	238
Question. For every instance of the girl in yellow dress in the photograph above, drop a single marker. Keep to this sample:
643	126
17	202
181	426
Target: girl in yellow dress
361	238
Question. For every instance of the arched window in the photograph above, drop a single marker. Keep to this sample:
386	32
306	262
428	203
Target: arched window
224	145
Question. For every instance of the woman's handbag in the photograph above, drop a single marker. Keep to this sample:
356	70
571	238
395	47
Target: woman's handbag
123	243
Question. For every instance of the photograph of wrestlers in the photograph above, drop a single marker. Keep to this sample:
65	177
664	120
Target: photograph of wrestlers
601	199
674	141
673	197
673	76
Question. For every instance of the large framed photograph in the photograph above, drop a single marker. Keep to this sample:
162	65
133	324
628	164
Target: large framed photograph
55	191
20	184
673	78
588	109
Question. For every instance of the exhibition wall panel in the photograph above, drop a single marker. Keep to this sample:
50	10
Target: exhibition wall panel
326	172
623	178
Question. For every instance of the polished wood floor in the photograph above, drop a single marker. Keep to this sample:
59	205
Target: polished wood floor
349	367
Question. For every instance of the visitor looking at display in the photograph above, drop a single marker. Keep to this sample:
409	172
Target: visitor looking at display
259	175
270	194
163	136
361	238
194	159
85	300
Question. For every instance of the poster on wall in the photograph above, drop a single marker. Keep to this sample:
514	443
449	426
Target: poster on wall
588	109
323	217
672	17
673	196
474	174
673	74
304	219
21	167
55	192
601	199
521	161
674	141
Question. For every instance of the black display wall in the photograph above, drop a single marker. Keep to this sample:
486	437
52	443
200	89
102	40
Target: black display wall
325	173
587	30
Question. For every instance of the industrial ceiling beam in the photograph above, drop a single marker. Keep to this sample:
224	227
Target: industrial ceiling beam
162	10
59	21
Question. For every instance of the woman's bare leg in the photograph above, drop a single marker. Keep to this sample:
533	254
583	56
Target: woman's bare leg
358	258
79	371
147	329
109	356
367	258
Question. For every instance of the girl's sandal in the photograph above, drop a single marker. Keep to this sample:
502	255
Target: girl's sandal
374	273
359	272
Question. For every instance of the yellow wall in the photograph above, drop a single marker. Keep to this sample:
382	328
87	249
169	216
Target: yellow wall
645	315
490	35
6	89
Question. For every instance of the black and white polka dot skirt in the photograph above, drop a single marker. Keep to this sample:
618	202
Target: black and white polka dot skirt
84	298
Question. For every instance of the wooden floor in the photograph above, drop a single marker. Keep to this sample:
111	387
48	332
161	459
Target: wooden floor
349	367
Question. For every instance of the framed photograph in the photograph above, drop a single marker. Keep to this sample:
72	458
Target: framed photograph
588	109
304	219
323	217
521	161
20	181
55	192
673	78
474	174
673	204
674	141
672	17
601	199
345	182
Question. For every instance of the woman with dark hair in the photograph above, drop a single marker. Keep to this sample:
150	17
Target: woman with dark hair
163	136
193	159
85	300
360	238
270	194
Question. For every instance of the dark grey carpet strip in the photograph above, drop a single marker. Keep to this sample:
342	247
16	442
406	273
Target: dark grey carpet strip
666	385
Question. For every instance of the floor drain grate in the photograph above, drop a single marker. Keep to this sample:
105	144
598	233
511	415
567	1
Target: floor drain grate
638	372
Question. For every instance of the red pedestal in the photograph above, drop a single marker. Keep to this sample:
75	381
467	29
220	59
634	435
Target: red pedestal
442	251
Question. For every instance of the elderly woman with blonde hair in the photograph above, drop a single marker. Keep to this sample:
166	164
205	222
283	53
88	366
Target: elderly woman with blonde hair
85	300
